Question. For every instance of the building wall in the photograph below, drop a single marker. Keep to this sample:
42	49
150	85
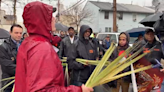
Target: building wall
7	27
94	19
123	25
3	21
99	24
5	24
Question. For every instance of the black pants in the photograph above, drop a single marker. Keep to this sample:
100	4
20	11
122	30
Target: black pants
9	88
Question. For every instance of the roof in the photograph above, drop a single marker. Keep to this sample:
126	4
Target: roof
122	7
151	7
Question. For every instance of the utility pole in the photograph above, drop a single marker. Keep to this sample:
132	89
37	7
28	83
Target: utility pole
58	10
14	11
114	16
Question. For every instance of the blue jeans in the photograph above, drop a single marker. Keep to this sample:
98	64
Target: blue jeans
162	87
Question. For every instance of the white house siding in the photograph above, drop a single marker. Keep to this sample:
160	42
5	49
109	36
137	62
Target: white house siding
123	25
128	23
98	23
94	24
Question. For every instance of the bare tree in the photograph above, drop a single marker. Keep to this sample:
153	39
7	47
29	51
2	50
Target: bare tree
0	4
78	14
14	11
14	7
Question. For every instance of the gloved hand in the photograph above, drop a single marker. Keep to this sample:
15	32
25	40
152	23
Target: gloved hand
157	64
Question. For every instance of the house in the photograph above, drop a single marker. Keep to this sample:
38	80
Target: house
5	20
128	16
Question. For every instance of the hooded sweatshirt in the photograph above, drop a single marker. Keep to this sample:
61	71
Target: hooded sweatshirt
121	49
84	49
118	51
38	67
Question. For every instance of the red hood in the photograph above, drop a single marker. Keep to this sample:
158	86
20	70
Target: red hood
37	19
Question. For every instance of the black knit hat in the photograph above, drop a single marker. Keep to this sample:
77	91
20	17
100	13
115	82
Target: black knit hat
149	30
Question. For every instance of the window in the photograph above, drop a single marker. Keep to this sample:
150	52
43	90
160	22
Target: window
108	29
106	15
134	17
120	15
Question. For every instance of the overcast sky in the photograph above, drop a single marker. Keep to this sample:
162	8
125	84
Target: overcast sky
7	6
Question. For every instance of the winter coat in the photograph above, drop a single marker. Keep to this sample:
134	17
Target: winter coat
106	44
157	53
84	49
38	67
114	55
65	45
8	53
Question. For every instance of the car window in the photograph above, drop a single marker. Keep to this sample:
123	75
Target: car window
132	40
102	37
113	37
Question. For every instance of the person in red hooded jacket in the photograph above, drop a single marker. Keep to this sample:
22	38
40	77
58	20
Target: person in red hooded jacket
38	67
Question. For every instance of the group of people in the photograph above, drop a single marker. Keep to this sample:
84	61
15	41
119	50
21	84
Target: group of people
37	67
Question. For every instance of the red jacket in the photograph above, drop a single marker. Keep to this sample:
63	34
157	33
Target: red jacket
38	67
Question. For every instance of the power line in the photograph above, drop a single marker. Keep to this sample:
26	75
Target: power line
75	5
71	6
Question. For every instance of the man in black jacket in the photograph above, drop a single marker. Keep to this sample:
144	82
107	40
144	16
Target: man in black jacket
84	48
147	80
151	41
8	54
67	42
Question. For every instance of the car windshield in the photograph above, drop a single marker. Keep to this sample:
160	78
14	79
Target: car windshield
101	37
132	40
112	37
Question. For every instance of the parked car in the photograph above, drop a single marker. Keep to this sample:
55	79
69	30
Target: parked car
113	37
